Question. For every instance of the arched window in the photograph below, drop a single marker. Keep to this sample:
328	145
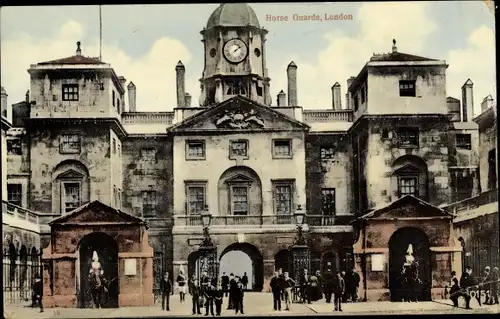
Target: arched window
70	187
235	88
409	177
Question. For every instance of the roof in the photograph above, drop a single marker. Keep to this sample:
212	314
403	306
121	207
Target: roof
234	15
400	202
75	59
398	57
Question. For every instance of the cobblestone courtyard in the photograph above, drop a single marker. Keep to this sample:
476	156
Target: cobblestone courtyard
255	304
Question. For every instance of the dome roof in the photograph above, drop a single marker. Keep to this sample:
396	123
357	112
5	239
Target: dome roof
233	15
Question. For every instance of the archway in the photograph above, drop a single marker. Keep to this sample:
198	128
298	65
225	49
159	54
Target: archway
283	260
234	263
398	246
107	251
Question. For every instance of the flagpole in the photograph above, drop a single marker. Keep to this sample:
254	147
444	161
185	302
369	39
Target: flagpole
100	33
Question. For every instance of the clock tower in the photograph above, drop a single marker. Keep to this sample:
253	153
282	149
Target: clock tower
235	56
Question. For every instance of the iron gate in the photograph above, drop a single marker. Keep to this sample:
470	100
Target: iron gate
158	270
19	270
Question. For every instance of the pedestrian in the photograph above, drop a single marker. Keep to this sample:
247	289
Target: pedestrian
313	288
339	292
321	284
194	290
239	296
244	281
287	285
166	290
304	283
485	284
355	285
209	294
38	291
329	279
344	296
232	291
181	283
494	286
97	286
467	282
219	294
280	276
225	283
455	292
276	291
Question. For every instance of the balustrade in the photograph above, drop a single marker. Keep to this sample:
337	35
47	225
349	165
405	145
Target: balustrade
467	204
19	212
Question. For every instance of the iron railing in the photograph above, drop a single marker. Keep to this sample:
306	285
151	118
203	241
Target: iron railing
19	271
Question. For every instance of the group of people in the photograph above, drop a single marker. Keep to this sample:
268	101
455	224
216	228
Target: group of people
343	286
470	286
206	292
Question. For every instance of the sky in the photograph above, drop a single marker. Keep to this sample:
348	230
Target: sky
143	43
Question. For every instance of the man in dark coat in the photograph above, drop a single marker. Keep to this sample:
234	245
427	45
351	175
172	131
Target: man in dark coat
38	291
276	291
466	283
195	292
232	291
355	285
166	290
218	296
97	286
329	279
339	292
494	286
225	283
238	296
209	294
304	283
244	281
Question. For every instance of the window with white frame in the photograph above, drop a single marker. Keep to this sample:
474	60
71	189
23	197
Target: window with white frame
196	197
408	137
14	194
328	201
70	144
71	197
283	197
238	148
282	148
70	92
14	147
408	185
148	203
195	150
239	197
327	152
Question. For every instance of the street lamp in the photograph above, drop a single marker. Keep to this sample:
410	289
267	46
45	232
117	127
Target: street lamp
207	250
300	251
299	220
206	218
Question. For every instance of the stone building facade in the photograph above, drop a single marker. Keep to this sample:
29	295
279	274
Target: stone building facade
253	163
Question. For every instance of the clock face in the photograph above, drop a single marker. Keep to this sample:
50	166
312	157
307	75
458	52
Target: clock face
235	50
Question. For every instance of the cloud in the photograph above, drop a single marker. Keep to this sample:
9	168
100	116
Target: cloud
153	73
477	62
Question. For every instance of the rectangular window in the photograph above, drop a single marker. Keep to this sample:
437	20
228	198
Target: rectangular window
14	194
282	148
465	184
363	95
492	169
114	146
70	92
195	198
115	196
119	202
238	149
118	106
327	152
283	198
328	201
70	144
14	147
71	197
119	150
356	102
407	186
408	137
195	150
113	99
148	203
148	154
240	200
407	88
463	141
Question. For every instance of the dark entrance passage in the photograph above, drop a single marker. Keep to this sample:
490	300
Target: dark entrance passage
233	260
398	247
329	260
283	260
107	251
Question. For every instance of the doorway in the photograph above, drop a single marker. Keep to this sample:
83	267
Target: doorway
233	260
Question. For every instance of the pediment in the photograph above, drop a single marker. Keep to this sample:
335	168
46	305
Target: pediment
96	212
407	169
71	174
408	207
239	178
238	114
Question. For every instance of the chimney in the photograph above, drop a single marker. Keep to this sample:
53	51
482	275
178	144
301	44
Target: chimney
28	96
180	72
394	47
336	97
187	99
467	101
132	94
281	98
4	102
487	103
348	94
122	82
291	72
78	50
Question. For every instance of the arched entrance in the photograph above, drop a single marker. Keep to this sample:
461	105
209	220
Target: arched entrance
107	251
283	260
232	261
398	246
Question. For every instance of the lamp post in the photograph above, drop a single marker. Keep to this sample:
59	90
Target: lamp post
207	250
300	251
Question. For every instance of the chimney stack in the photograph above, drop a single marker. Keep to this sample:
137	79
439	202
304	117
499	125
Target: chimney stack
336	97
28	96
394	47
348	94
281	98
187	99
122	82
180	72
78	49
291	72
487	103
467	101
131	96
4	102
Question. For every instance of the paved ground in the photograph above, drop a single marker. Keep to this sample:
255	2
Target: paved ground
255	304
